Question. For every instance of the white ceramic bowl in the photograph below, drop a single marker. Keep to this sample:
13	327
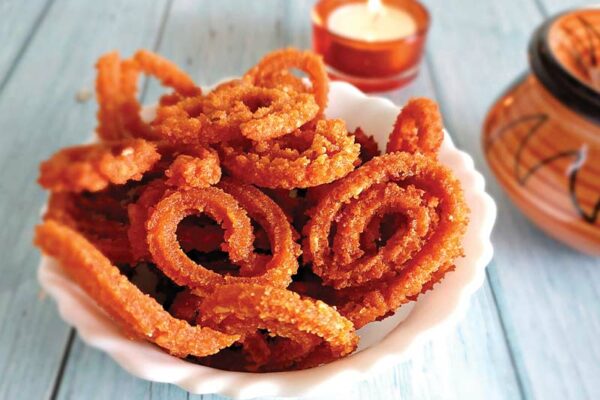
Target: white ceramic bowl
383	344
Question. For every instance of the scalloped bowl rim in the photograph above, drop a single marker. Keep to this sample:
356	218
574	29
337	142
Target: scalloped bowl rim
414	323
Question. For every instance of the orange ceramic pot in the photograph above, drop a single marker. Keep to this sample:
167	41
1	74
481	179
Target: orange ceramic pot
542	137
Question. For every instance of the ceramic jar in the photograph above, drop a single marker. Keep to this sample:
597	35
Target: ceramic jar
542	136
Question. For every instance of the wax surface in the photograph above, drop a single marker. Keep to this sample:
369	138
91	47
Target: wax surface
357	21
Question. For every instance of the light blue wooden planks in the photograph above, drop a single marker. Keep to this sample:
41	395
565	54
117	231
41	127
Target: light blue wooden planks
38	114
91	374
19	21
550	7
547	294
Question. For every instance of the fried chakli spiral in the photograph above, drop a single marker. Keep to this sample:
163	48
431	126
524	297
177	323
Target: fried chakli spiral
169	75
172	209
230	207
93	167
274	71
234	110
418	127
415	267
117	88
320	330
306	158
222	255
259	113
351	265
278	270
138	314
260	351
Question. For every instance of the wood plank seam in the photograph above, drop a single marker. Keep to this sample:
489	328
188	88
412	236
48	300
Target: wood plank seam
518	371
541	7
34	29
63	364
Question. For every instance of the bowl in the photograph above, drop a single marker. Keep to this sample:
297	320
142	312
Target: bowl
383	344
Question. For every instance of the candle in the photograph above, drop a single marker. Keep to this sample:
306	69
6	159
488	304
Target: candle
372	21
373	44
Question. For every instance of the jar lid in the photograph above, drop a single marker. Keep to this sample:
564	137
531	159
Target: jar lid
564	54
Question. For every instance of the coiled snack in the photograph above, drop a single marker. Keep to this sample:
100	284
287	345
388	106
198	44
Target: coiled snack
274	71
259	113
230	207
428	197
93	167
418	127
316	332
138	314
309	157
233	111
117	89
186	227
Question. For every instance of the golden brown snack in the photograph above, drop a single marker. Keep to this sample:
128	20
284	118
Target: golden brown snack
247	308
109	97
162	241
229	205
274	71
138	314
380	294
418	127
223	255
117	89
277	269
181	121
200	170
258	113
305	158
152	64
93	167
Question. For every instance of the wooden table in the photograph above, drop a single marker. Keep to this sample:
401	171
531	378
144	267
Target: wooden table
531	331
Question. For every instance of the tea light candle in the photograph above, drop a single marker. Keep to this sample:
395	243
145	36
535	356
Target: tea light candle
372	21
376	45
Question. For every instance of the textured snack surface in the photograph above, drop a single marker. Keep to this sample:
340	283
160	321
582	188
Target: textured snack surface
241	228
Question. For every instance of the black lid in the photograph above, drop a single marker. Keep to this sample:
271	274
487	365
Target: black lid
566	87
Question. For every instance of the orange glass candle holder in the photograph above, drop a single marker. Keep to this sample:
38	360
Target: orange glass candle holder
371	65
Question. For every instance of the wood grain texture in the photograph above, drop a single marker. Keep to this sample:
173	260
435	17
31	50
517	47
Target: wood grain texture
19	21
547	294
38	114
